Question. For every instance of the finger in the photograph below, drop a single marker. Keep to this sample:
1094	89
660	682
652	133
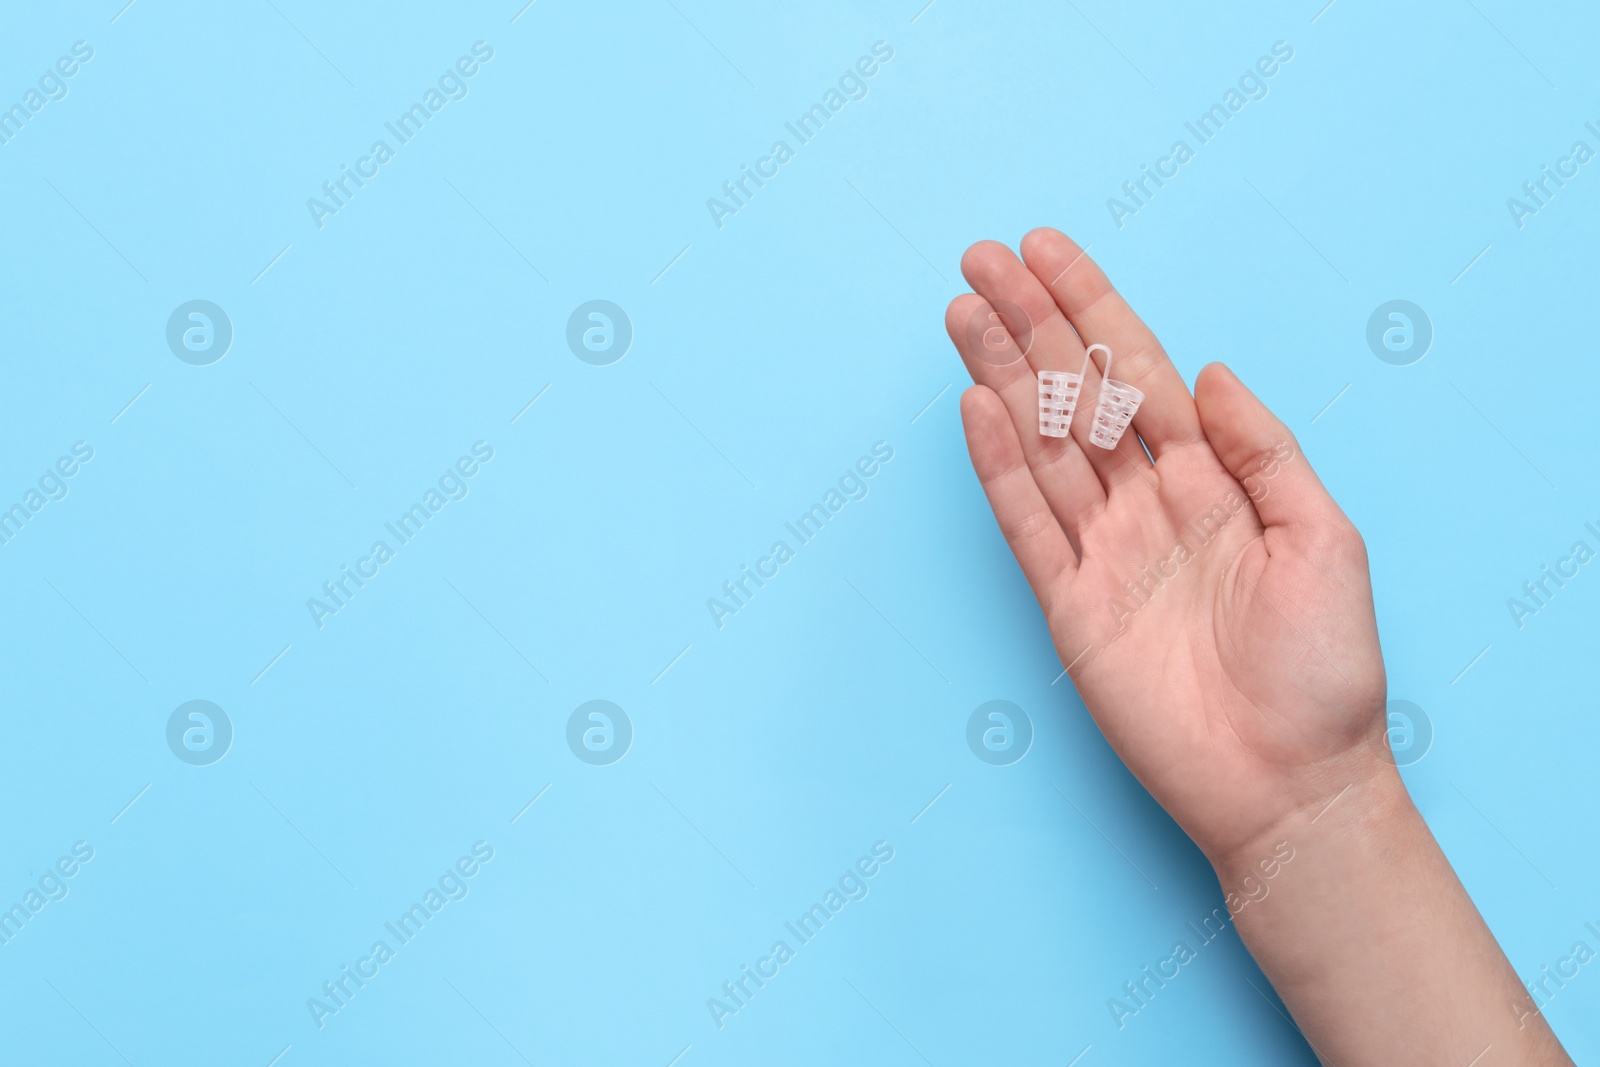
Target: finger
1063	476
1263	455
1167	416
1001	278
1025	519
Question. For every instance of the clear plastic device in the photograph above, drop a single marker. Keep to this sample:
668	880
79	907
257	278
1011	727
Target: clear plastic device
1115	408
1058	399
1059	391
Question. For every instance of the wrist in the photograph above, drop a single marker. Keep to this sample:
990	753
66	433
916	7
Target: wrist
1359	797
1350	907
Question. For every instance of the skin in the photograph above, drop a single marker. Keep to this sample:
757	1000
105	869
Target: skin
1239	676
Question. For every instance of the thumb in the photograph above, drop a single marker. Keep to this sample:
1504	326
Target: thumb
1259	451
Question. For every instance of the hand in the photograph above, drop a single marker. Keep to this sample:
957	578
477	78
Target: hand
1214	610
1213	607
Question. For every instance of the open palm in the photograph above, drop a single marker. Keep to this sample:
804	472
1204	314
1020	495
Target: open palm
1213	606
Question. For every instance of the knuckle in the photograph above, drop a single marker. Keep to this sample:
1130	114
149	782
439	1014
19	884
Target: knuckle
1084	289
1262	461
1021	529
1340	541
1053	461
1139	362
1354	545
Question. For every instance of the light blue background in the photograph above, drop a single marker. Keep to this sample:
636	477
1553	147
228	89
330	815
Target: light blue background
771	354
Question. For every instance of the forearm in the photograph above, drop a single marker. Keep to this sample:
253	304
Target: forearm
1372	942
